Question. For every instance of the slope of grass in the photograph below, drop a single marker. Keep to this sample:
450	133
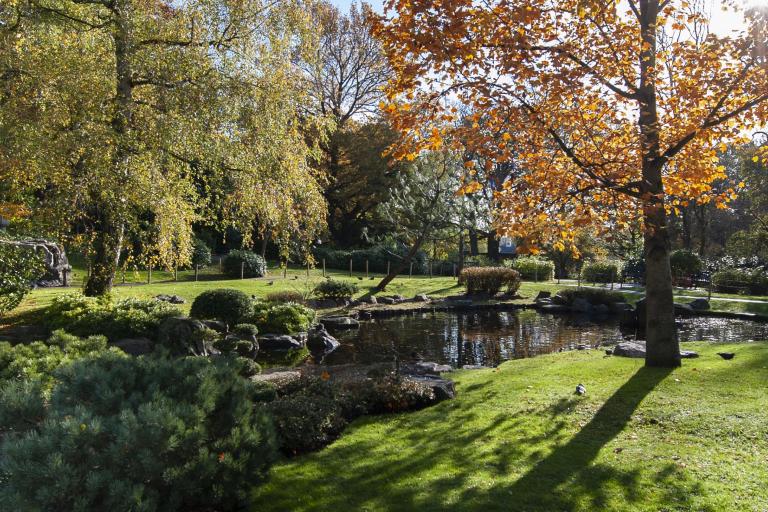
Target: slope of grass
518	439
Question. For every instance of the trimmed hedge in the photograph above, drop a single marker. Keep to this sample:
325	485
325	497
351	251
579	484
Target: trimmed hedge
333	289
252	264
746	282
489	280
600	272
532	269
225	304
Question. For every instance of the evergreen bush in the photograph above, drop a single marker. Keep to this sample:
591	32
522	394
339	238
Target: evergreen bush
225	304
287	318
336	290
146	434
600	272
684	264
489	280
252	264
594	296
532	269
201	253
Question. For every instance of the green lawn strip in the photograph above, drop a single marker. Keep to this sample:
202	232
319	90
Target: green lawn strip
518	438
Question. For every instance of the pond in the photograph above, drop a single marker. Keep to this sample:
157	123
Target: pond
490	337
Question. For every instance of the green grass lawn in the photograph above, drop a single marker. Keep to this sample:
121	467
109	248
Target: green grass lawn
518	439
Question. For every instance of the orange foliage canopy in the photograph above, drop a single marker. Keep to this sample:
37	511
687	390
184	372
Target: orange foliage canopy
588	96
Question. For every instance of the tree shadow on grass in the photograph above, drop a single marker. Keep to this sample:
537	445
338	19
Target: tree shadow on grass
458	456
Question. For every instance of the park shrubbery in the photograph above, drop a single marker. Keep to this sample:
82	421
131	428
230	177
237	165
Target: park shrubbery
489	280
337	290
594	296
532	269
201	253
250	263
633	269
752	282
135	434
225	304
286	318
126	318
285	296
600	272
19	268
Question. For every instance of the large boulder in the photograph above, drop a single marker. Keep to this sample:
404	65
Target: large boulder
340	322
684	310
135	346
172	299
319	339
443	388
279	342
186	336
543	294
421	297
630	349
55	259
699	304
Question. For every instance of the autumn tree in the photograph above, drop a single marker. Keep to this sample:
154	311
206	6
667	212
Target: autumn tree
608	124
139	117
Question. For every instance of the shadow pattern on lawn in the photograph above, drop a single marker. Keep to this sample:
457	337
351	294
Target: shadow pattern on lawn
556	468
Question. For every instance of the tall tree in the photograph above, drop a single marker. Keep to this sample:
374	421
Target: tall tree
608	125
122	114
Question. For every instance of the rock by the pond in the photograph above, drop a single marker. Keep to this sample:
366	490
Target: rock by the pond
429	367
699	304
185	336
364	315
278	342
580	305
543	295
319	339
629	349
340	322
135	346
421	297
370	299
559	300
54	260
684	310
443	388
386	300
172	299
216	325
474	367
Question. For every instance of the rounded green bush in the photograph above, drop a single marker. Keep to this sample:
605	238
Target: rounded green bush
201	253
225	304
532	269
684	264
287	319
600	272
245	330
251	264
337	290
139	434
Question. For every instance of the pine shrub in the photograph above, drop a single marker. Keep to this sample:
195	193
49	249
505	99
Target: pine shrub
335	290
225	304
250	263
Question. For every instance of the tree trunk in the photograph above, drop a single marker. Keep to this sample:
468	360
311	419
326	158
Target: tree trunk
493	245
106	256
397	269
662	348
474	248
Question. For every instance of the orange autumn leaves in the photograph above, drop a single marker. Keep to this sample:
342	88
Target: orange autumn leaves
561	88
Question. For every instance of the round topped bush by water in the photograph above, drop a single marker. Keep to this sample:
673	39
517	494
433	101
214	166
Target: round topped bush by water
225	304
333	289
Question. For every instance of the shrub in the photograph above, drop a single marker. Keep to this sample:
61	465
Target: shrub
733	280
19	268
37	361
387	395
478	261
245	330
684	264
248	367
252	264
489	280
127	318
307	421
600	272
285	296
201	253
633	269
337	290
594	296
287	319
532	269
223	304
139	434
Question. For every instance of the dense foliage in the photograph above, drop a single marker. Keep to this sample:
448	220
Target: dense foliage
752	282
201	253
285	296
283	318
594	296
225	304
334	289
137	434
600	272
126	318
19	268
684	264
532	269
489	280
248	263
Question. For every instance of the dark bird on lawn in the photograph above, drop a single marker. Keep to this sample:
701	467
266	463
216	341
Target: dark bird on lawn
270	283
609	352
359	278
372	278
295	277
726	355
581	390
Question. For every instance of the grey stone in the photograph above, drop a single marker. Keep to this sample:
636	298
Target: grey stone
172	299
559	300
185	336
421	297
699	304
542	295
387	300
278	342
371	299
630	349
474	367
135	346
443	388
216	325
319	339
340	322
684	310
429	367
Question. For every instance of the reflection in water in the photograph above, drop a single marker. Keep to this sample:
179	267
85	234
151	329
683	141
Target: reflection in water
490	337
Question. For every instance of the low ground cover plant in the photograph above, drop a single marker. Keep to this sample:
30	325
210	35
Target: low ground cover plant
489	280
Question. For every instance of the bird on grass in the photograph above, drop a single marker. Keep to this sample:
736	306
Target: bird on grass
372	278
581	390
295	278
270	283
609	352
726	355
359	278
